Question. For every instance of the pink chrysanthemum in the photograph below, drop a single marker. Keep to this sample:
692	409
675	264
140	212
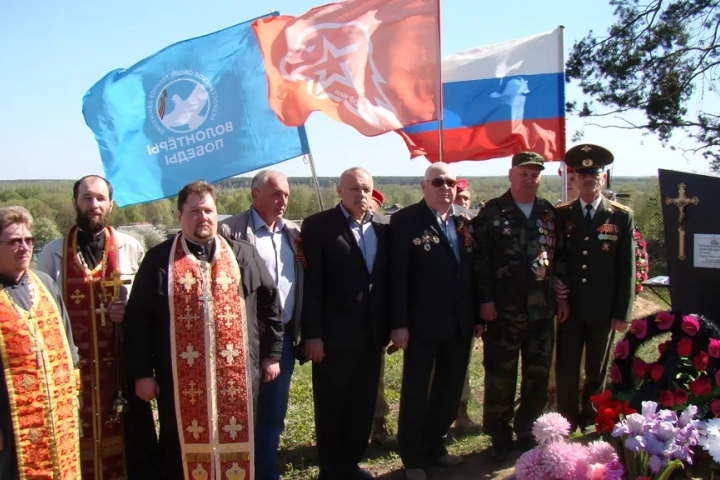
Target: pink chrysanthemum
601	452
550	427
564	461
596	471
530	465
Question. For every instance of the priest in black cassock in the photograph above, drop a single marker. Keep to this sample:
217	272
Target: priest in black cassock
187	336
39	360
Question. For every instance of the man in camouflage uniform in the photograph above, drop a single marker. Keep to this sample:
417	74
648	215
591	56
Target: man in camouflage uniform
516	238
598	267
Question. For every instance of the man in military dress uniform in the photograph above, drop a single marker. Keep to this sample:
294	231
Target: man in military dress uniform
516	237
598	267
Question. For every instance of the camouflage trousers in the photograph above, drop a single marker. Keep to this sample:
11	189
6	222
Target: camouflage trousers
504	342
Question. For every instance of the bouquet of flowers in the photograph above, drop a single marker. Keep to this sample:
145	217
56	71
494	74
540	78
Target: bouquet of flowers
555	458
656	443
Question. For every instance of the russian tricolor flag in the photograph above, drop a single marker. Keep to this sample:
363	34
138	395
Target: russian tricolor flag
499	100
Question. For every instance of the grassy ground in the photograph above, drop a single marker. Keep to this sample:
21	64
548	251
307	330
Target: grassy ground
297	451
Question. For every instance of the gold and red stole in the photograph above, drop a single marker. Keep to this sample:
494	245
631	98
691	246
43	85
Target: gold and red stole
208	338
41	387
85	296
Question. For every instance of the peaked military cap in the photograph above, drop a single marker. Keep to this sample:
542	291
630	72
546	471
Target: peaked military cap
588	158
528	158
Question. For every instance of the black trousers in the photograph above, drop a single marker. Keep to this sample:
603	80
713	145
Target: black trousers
345	386
141	442
573	336
425	419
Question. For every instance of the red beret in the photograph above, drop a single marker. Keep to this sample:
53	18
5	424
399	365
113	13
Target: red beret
462	185
569	170
378	196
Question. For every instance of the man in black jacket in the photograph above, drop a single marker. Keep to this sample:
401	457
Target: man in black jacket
345	322
433	316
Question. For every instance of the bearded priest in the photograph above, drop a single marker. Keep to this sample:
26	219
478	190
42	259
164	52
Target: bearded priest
39	431
94	266
187	343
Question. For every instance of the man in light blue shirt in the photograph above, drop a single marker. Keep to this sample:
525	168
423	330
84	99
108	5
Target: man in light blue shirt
276	240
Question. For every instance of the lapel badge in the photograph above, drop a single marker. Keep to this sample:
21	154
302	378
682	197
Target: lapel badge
496	223
506	231
606	247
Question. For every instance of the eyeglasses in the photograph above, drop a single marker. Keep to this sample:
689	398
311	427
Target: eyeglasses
439	182
16	242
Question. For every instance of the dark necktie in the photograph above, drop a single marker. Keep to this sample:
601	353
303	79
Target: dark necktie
588	217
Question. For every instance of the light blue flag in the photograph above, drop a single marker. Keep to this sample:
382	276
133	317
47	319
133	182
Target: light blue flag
195	110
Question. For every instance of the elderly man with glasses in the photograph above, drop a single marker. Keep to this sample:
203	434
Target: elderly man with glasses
39	363
433	316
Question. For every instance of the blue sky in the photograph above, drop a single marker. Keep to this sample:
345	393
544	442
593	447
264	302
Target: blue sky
52	52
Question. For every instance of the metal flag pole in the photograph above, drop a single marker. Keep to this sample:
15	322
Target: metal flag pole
439	89
562	144
308	158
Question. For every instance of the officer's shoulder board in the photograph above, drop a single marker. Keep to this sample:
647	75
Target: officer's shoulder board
620	206
564	205
493	202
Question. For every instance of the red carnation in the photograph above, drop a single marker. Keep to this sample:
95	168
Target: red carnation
715	407
667	398
681	396
640	368
700	386
700	362
664	320
639	328
656	371
714	348
690	325
622	350
684	347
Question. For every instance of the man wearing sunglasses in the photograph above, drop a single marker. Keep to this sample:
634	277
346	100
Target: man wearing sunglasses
94	266
516	236
41	375
433	316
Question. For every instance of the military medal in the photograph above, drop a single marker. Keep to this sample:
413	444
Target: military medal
606	247
427	247
417	241
496	223
506	231
436	239
569	227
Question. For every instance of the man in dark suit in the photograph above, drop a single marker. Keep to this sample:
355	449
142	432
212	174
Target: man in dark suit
433	316
598	267
345	322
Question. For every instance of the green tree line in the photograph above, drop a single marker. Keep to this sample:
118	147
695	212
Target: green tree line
50	202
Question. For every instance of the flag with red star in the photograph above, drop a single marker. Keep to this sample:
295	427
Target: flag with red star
371	64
